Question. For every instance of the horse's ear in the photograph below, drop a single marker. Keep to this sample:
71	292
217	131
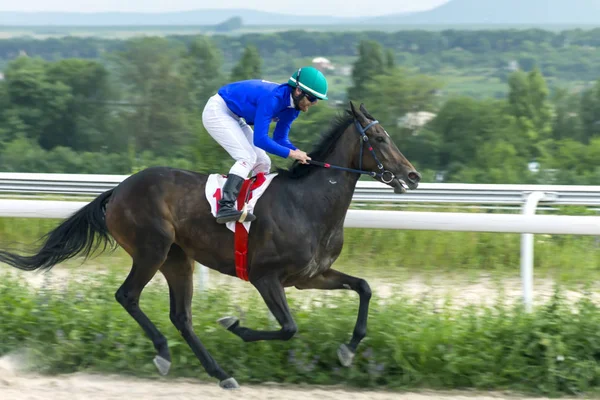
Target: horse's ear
357	114
365	112
353	109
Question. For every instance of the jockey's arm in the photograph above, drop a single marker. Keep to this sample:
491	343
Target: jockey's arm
262	121
282	129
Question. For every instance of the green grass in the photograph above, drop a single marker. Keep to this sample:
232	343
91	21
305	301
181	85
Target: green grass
397	254
410	344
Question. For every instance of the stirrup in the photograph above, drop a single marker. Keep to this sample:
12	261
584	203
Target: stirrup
232	214
243	214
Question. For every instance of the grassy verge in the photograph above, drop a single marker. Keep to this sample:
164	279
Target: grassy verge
410	344
394	254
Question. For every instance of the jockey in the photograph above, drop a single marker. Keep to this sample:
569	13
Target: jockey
229	113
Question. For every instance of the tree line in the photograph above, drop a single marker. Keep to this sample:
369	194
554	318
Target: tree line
141	105
567	55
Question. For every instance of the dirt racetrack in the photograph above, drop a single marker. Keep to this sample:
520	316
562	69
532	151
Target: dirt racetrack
84	387
16	385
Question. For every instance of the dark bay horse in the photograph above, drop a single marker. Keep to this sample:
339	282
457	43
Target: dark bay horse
161	217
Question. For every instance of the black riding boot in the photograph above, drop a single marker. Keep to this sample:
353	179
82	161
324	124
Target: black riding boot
227	211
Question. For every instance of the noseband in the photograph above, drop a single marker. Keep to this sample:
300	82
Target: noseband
364	139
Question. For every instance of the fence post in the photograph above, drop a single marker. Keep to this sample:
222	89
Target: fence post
202	277
531	201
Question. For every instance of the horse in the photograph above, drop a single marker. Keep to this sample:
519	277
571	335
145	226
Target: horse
161	218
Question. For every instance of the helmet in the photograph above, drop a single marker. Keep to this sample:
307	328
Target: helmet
312	81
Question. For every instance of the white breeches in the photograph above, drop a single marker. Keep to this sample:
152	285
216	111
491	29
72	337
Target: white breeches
236	137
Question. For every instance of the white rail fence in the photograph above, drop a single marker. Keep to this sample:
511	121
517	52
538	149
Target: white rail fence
526	196
366	191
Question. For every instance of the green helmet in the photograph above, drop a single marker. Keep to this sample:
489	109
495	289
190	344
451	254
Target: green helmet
312	81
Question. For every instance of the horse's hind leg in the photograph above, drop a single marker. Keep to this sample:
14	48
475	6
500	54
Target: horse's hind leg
332	279
145	264
178	270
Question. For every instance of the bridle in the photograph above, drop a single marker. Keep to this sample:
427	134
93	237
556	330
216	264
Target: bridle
364	139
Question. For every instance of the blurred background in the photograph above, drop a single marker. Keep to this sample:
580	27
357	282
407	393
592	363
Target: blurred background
476	94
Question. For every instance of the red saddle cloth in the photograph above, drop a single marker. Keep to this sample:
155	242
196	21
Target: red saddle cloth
241	235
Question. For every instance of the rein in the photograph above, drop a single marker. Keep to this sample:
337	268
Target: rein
363	139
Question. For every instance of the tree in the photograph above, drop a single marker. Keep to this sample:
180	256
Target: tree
370	63
567	122
528	99
590	112
249	66
495	161
470	130
391	95
389	60
542	110
150	72
36	103
4	105
518	95
201	68
87	124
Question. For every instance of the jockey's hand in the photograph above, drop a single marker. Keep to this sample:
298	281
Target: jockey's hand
300	156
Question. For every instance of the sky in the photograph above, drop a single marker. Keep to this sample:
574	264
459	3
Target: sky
346	8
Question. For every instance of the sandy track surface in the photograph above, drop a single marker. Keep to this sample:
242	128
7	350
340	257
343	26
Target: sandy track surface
84	387
18	385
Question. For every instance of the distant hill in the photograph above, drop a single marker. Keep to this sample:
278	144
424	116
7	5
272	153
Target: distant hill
193	17
538	12
454	12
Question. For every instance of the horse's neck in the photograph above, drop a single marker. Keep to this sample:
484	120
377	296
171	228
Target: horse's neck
333	190
329	191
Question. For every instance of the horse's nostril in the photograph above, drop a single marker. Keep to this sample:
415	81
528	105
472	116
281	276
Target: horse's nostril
414	176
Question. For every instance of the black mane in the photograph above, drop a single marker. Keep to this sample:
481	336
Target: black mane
322	148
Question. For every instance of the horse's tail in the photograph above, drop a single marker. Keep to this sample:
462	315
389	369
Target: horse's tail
82	232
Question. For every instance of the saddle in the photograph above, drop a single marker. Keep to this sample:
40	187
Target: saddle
250	192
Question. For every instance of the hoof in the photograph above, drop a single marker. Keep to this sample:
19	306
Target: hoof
229	383
227	322
345	355
162	364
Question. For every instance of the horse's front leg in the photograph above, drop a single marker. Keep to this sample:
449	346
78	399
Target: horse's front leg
273	294
331	280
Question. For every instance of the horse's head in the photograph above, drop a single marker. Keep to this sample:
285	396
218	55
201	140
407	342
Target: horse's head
379	153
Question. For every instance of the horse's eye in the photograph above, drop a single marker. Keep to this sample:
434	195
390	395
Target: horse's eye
380	139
